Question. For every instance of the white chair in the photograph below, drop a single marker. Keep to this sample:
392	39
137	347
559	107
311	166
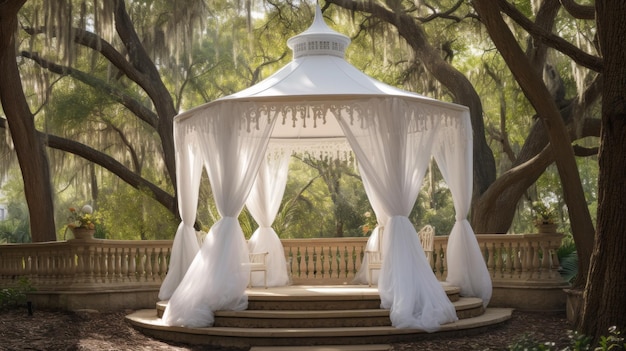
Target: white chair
427	239
258	263
374	262
375	258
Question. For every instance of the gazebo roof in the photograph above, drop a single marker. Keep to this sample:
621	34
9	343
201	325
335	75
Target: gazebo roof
317	75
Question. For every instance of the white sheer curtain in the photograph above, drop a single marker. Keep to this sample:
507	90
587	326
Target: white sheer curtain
466	264
392	140
185	246
373	243
263	203
234	139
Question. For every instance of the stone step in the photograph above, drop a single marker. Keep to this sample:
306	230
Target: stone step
316	297
465	307
150	324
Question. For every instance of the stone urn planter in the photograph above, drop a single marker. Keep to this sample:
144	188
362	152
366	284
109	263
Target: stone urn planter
545	227
82	233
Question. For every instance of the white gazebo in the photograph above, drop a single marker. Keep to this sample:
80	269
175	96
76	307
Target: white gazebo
322	104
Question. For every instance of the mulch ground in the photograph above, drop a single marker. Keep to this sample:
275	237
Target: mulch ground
90	330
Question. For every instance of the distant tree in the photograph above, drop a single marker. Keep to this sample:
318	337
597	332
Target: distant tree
29	147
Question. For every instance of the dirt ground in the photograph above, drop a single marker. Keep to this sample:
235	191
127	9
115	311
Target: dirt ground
90	330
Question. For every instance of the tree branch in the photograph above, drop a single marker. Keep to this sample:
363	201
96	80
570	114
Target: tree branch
115	167
554	41
579	11
129	102
446	14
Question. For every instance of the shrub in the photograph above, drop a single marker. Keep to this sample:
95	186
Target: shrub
577	342
15	296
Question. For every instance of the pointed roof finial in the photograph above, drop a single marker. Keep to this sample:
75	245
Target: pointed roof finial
319	39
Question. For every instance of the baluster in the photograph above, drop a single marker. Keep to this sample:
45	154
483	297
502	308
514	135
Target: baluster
97	273
155	264
141	265
34	275
132	265
535	263
80	266
499	261
125	257
488	258
517	263
156	267
115	265
542	260
351	261
359	258
106	265
521	246
508	263
346	267
334	261
440	263
289	257
323	259
299	259
307	270
110	265
68	262
42	267
166	255
148	265
160	259
555	260
316	263
529	266
340	260
89	264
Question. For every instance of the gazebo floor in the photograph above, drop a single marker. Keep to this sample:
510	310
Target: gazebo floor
313	315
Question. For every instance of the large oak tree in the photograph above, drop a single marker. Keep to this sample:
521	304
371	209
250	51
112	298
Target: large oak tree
605	293
29	147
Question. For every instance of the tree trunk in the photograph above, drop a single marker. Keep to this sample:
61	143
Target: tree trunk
541	99
605	293
31	153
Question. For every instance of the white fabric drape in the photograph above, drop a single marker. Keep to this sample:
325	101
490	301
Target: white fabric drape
185	246
263	203
392	140
234	140
374	242
466	264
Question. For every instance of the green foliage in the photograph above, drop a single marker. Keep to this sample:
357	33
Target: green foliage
128	214
577	342
613	341
16	228
568	259
15	296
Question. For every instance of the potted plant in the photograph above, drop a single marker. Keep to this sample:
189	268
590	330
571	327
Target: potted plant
82	222
545	217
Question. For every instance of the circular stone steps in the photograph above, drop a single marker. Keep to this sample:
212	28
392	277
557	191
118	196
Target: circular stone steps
312	315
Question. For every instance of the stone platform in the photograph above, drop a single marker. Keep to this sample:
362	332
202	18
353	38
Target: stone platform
313	315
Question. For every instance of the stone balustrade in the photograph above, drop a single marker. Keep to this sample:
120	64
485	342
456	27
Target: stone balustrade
524	264
81	264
